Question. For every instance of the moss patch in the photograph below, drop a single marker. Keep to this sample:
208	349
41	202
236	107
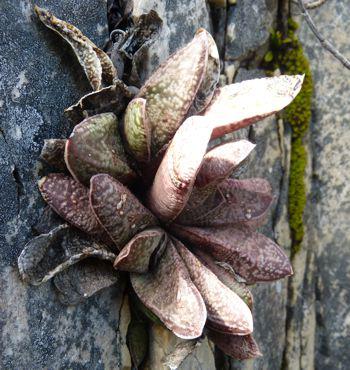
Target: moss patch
286	53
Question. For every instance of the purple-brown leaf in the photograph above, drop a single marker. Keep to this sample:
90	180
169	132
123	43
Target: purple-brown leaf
227	312
70	200
239	105
240	347
235	202
118	210
177	172
95	147
169	292
252	255
142	252
170	91
221	161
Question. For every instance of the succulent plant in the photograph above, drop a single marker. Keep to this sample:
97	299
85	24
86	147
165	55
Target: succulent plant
143	196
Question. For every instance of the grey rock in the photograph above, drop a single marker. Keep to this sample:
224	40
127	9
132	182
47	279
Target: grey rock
249	23
39	78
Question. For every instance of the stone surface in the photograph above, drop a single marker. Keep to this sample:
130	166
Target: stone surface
39	78
249	23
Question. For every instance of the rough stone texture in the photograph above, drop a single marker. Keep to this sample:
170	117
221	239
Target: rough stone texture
319	335
248	28
39	78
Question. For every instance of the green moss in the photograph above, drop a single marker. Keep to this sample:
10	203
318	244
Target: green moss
286	53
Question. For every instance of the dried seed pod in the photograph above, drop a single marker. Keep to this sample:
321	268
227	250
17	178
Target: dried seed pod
119	212
252	255
227	312
241	104
169	292
142	252
95	147
70	200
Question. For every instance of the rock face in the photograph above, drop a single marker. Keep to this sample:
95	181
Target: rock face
40	77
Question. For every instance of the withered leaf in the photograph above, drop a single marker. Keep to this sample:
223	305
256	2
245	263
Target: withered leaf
240	347
95	147
177	172
221	161
236	202
70	200
227	312
252	255
120	213
239	105
142	252
114	98
84	279
48	254
227	277
95	62
168	98
169	292
53	153
119	14
137	130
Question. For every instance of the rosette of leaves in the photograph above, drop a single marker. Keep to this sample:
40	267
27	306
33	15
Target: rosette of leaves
140	195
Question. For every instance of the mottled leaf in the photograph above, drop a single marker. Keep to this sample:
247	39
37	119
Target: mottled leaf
252	255
137	341
96	64
53	153
48	254
210	79
95	147
241	104
221	161
137	130
142	252
177	172
114	98
118	210
170	91
70	200
227	312
236	346
169	292
227	276
236	202
84	279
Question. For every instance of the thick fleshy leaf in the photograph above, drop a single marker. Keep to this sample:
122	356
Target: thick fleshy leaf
53	153
137	131
95	147
48	254
252	255
210	79
177	172
84	279
240	347
227	276
227	312
70	200
241	104
114	98
95	62
236	202
170	91
118	210
142	252
221	161
169	292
